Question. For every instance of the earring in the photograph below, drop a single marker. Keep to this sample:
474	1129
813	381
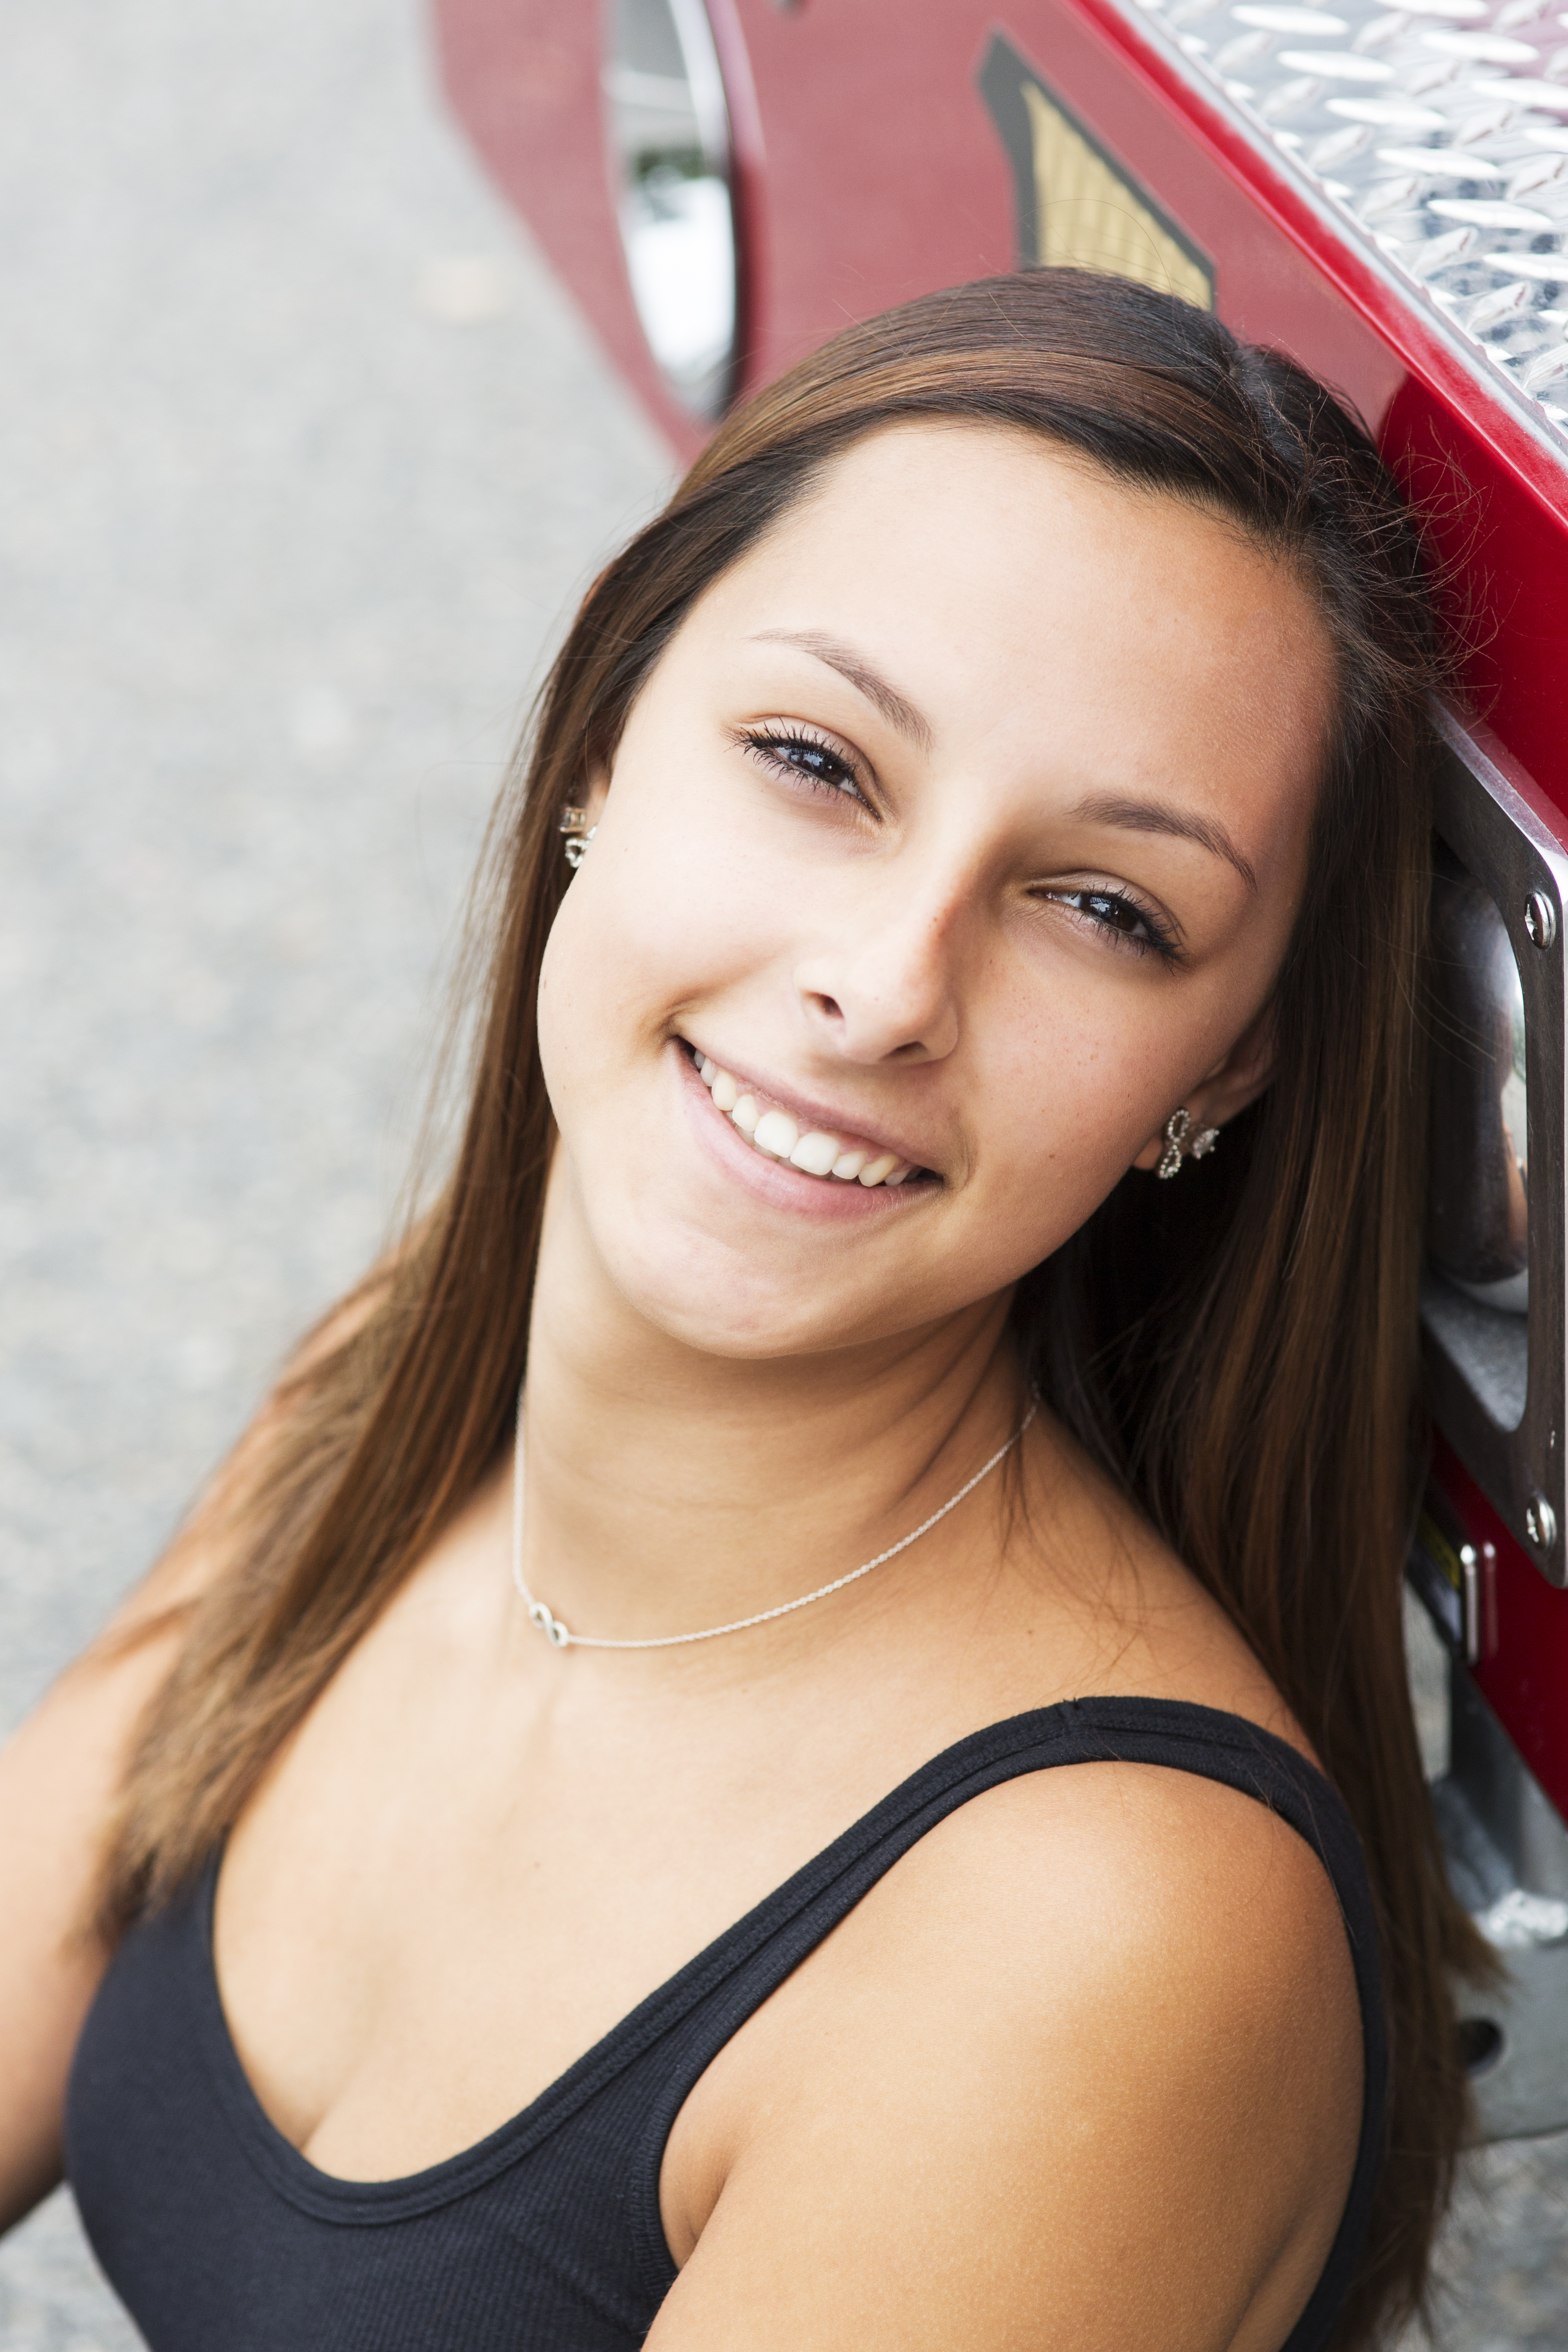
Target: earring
578	834
1176	1131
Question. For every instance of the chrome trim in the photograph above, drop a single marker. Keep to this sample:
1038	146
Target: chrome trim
1496	1380
1431	199
668	137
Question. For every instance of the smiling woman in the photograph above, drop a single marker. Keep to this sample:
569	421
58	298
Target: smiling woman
995	783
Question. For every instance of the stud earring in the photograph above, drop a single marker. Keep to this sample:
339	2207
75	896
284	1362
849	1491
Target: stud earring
1176	1130
578	834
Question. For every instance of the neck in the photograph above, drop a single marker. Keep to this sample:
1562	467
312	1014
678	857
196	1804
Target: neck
669	1489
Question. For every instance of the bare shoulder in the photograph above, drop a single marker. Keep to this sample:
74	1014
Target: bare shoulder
1085	2067
1114	1865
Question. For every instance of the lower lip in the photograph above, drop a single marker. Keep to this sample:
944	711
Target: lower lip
774	1181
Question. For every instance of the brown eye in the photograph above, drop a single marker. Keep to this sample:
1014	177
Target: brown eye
1119	913
1123	918
804	756
812	760
1105	907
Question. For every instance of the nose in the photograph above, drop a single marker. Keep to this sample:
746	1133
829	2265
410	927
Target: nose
885	987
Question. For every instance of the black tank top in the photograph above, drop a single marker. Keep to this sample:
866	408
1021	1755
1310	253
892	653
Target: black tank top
546	2237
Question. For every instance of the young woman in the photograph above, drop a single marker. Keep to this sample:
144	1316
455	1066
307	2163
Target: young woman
760	1746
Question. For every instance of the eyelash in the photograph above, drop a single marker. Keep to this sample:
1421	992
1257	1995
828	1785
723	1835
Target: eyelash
1161	941
769	745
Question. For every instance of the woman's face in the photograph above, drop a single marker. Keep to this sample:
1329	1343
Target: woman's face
961	828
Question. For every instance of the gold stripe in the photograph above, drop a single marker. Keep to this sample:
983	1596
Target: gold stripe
1091	219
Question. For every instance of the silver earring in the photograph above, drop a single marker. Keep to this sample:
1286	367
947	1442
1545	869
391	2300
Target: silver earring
578	834
1176	1130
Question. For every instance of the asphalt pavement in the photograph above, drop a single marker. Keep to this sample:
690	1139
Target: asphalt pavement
303	459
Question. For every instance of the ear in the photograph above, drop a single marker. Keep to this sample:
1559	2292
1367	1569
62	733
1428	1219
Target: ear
1229	1087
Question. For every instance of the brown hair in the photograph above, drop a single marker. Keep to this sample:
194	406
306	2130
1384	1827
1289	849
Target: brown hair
1239	1349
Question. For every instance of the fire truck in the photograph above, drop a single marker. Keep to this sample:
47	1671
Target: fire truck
1383	194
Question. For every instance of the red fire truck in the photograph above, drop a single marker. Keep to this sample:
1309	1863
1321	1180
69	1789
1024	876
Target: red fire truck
1384	193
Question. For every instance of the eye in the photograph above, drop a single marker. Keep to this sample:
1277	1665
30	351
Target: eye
797	752
1126	919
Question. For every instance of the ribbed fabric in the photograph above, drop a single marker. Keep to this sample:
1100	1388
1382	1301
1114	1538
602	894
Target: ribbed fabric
546	2237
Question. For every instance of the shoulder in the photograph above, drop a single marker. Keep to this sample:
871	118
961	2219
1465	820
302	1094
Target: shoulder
1183	1900
1092	2045
1148	1898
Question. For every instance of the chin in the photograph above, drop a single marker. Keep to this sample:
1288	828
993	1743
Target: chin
720	1301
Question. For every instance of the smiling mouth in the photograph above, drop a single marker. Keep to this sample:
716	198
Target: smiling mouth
818	1151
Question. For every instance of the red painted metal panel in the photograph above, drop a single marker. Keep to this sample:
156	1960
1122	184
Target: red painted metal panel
1521	1669
932	203
885	174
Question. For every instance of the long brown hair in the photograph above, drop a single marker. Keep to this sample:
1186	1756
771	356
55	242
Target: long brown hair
1239	1348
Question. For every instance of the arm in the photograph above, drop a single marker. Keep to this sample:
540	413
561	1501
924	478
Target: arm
1084	2072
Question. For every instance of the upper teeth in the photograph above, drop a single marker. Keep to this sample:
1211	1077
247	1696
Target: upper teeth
780	1137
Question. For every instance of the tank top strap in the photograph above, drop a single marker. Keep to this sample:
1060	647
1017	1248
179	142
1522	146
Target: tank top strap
727	1984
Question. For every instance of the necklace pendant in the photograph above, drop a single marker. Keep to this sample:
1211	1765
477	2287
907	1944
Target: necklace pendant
550	1626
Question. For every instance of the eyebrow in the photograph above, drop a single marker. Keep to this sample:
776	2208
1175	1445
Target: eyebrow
1158	816
1107	808
895	707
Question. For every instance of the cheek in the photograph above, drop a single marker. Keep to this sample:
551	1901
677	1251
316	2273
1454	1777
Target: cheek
1069	1099
658	917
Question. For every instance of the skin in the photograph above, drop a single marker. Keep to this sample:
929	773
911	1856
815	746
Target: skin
1084	2070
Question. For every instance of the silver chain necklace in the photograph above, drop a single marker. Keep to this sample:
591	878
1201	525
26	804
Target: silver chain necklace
557	1634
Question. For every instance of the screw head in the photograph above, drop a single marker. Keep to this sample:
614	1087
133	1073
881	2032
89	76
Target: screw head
1540	920
1540	1523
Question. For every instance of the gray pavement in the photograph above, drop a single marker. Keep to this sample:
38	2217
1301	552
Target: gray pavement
302	458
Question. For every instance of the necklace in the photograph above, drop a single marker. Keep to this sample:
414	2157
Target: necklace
557	1634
